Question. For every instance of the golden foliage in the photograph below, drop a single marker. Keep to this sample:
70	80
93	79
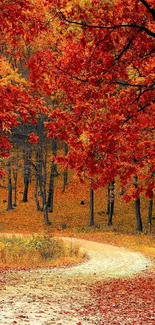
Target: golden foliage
9	75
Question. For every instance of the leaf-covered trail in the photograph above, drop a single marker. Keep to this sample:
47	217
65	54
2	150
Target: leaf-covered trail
64	296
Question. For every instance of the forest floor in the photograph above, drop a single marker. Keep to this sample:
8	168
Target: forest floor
71	218
114	287
104	290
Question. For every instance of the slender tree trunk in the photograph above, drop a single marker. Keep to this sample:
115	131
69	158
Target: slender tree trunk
65	173
41	167
137	208
111	200
138	215
26	187
150	210
36	193
15	176
54	173
9	207
91	223
50	201
108	199
39	180
44	198
54	152
45	209
27	171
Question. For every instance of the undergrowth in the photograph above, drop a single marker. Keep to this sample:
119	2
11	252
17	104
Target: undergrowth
37	250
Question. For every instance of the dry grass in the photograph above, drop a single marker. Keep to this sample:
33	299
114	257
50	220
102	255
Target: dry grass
37	251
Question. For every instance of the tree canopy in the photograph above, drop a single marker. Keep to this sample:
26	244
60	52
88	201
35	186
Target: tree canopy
88	65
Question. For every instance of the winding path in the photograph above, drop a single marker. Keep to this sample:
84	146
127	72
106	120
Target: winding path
58	296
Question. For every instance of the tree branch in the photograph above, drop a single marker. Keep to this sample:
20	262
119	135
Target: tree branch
125	49
84	24
148	7
69	74
142	109
127	84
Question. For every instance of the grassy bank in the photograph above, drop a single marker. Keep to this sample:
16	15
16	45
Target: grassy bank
37	251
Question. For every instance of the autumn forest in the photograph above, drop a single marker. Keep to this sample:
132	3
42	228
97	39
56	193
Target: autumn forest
77	140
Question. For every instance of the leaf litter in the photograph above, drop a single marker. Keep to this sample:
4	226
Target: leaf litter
92	293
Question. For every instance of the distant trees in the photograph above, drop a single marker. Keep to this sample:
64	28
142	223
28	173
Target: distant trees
81	74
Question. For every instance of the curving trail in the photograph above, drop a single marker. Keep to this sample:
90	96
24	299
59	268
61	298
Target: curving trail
58	296
107	260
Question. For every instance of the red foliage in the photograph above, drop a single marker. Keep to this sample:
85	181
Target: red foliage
124	302
102	70
33	138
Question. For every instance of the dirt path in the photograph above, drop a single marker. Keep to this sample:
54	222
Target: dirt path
58	296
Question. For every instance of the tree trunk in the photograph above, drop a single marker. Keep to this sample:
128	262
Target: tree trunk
111	198
91	207
138	215
150	215
45	209
15	176
39	180
54	152
27	172
108	199
137	208
51	188
44	181
26	187
65	173
10	207
54	173
36	193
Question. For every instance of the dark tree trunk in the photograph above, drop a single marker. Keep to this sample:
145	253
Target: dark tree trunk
111	200
150	210
54	173
45	209
10	206
15	176
91	223
54	152
36	194
26	187
39	180
27	172
41	170
137	208
44	181
51	188
65	173
138	215
108	199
